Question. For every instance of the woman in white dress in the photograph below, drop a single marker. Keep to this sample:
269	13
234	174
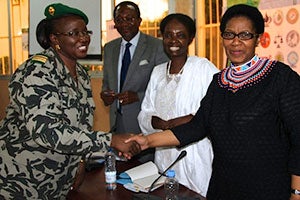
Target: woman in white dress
173	97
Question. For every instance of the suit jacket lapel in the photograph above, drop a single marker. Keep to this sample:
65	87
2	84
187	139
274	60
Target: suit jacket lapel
139	51
115	61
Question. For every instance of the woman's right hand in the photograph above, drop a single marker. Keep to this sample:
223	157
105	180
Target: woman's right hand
158	123
157	139
140	139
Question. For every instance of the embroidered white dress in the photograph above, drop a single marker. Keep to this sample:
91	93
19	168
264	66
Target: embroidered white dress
174	96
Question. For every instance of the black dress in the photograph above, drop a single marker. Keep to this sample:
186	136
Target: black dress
255	134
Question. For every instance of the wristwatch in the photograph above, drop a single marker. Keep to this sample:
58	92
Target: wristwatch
297	192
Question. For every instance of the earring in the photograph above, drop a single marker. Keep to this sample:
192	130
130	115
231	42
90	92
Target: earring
57	47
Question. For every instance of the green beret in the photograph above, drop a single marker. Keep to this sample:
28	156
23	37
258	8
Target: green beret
57	10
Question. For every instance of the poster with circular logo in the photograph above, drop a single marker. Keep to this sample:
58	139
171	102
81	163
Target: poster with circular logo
267	19
278	17
292	38
292	58
279	56
265	40
292	16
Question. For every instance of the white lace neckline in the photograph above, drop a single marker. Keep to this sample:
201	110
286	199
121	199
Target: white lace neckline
175	77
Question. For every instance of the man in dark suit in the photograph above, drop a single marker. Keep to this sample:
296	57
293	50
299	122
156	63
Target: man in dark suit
145	52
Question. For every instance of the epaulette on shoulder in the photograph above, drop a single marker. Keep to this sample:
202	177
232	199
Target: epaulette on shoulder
39	58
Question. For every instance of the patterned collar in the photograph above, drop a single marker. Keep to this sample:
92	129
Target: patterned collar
235	78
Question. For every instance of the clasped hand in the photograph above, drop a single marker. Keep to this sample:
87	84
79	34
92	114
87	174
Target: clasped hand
127	149
159	123
127	97
129	145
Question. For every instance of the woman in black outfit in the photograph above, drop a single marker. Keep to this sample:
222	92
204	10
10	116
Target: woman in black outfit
251	113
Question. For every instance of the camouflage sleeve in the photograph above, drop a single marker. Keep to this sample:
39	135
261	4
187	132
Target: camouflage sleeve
54	114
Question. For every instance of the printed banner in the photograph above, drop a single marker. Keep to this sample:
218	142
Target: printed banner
281	38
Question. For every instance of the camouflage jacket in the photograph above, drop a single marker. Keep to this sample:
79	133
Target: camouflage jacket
47	129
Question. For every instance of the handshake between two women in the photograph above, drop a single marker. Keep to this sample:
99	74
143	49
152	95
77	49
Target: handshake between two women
129	145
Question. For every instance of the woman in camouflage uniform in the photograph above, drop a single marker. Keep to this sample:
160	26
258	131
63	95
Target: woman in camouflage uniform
48	127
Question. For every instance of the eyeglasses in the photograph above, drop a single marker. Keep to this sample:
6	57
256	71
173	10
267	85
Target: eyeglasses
120	20
242	35
76	34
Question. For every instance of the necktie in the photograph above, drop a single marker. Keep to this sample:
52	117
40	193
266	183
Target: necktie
125	64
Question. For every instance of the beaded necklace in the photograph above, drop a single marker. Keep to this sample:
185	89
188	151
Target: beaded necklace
235	78
175	77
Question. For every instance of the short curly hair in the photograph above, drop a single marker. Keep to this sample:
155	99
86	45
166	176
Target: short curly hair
127	3
188	22
244	10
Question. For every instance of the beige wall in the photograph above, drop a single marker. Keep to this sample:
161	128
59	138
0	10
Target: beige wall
101	118
3	97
